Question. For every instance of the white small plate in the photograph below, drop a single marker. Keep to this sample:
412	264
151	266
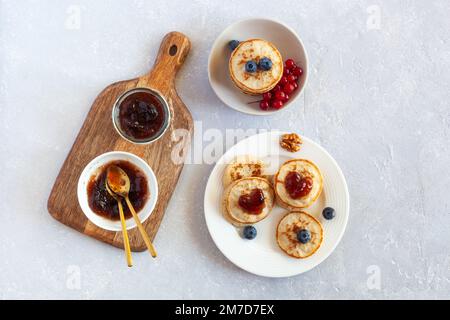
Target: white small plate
92	169
282	36
262	256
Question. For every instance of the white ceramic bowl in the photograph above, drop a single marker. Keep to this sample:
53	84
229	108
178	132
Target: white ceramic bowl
92	168
282	36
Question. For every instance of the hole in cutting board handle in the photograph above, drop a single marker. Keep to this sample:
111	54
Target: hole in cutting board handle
173	50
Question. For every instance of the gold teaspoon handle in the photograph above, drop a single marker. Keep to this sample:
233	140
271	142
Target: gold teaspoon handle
126	242
144	234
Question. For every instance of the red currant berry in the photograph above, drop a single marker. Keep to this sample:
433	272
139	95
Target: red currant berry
295	84
286	72
280	95
286	97
297	71
264	105
291	78
290	64
275	89
288	88
277	104
267	96
283	80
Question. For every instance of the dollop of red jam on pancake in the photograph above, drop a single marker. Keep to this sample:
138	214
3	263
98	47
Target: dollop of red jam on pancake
252	203
297	186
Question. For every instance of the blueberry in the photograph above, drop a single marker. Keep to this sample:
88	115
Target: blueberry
233	44
265	64
250	232
251	66
304	236
328	213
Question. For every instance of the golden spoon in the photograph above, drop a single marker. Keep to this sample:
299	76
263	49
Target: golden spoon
126	242
119	183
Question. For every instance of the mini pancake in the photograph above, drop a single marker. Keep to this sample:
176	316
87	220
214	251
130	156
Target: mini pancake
287	230
304	168
241	167
262	80
237	215
227	216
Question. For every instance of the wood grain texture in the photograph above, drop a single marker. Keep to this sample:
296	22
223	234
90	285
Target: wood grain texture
98	135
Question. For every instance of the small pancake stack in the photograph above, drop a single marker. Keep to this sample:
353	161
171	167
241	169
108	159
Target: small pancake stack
259	81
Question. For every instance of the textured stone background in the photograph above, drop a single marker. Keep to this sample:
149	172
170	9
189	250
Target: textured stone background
377	100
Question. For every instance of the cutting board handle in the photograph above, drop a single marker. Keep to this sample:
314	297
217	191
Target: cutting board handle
172	53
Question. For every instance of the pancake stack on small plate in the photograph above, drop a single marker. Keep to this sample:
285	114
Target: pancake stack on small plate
259	81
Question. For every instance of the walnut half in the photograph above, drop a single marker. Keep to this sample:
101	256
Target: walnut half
291	142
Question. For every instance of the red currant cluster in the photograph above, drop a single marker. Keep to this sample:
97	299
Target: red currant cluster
279	95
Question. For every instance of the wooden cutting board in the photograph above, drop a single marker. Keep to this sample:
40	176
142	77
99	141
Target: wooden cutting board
98	135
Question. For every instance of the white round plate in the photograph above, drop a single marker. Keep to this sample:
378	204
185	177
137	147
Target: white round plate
282	36
262	256
92	169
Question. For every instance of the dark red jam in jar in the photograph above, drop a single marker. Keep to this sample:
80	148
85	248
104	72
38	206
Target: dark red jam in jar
142	115
297	186
252	203
102	203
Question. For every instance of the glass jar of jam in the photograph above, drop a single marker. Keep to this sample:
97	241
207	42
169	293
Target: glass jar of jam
141	115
